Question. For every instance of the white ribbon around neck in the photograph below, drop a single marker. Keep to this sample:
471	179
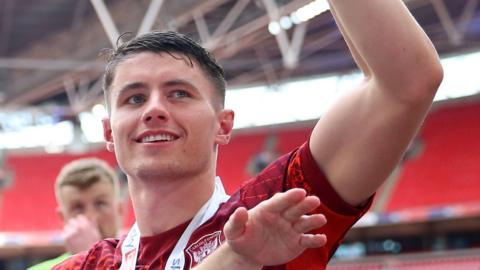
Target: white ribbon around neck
176	260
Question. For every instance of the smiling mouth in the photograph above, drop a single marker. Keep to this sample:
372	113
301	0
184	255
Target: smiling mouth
157	138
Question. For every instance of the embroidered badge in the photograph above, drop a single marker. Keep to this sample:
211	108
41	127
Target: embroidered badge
203	247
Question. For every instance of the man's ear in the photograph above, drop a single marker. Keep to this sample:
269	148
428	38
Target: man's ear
225	118
107	134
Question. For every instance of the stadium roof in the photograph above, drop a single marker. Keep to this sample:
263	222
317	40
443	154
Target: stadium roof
49	50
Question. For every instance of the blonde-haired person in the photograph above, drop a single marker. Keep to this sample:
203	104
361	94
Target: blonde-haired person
89	203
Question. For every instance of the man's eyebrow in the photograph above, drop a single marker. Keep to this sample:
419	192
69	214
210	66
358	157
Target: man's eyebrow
140	85
176	82
131	86
102	196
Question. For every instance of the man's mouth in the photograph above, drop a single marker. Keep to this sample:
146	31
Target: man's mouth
157	138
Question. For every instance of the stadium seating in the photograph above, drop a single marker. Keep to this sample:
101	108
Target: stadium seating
446	171
29	204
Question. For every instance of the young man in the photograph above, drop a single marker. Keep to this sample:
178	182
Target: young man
166	118
87	192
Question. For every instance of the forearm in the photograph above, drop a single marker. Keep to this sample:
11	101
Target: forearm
225	258
355	54
391	43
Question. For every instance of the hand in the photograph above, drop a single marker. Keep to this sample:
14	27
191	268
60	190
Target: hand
275	231
79	234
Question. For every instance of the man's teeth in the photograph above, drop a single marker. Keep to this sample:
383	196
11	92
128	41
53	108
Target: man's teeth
161	137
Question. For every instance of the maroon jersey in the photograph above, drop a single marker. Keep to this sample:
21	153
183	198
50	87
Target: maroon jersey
296	169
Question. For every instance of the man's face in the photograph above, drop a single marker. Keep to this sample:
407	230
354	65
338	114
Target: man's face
96	202
164	122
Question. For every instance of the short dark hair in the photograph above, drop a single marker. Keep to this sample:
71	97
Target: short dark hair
169	42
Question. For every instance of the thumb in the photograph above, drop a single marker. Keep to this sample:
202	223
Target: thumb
235	225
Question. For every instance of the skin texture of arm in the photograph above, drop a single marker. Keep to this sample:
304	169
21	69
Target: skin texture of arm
359	141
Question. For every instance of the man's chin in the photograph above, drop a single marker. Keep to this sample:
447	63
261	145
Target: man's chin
105	234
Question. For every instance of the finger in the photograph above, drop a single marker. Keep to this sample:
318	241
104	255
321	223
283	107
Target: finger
94	228
83	222
309	222
281	201
313	240
69	231
71	226
66	232
73	221
68	225
86	221
235	225
303	207
76	222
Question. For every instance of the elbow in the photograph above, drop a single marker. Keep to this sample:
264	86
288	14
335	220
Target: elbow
424	82
435	77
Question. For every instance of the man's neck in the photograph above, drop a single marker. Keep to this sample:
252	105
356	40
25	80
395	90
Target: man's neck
162	205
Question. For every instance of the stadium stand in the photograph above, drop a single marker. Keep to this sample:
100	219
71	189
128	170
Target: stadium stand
29	205
448	171
449	158
436	195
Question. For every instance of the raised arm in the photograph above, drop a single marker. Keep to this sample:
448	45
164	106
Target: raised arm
360	139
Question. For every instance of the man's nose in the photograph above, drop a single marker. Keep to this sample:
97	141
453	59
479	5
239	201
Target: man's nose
155	111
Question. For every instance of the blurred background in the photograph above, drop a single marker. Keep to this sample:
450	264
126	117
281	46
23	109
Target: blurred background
285	63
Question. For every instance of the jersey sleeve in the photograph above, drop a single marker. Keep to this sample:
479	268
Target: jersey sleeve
298	169
304	172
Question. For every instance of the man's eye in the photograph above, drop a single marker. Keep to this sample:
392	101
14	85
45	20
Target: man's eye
77	209
179	94
101	205
136	99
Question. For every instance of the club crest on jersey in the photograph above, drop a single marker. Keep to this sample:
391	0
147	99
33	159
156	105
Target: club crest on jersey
203	247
